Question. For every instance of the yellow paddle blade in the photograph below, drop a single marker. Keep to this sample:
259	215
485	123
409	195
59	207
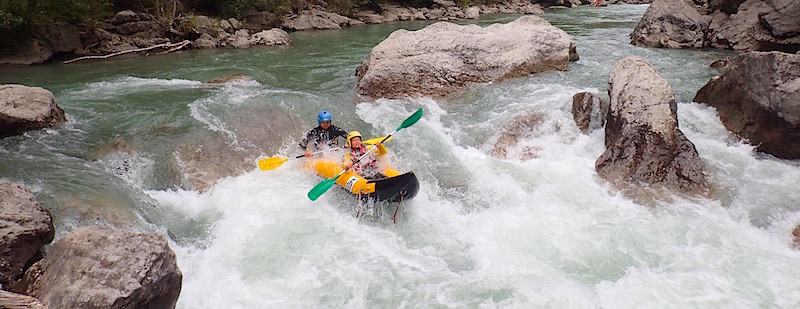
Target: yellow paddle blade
373	141
270	163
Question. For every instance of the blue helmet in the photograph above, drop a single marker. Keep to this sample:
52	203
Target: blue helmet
324	116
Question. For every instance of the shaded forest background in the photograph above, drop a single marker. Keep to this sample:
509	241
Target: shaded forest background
19	18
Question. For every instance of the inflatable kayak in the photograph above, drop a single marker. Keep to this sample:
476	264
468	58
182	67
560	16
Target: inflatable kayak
396	187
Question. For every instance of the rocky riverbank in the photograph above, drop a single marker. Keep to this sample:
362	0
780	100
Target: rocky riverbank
130	32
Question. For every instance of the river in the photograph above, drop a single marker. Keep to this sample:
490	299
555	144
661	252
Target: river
482	232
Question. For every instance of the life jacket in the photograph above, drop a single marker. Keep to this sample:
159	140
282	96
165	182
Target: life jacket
367	164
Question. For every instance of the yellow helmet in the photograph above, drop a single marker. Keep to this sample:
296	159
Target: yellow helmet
351	135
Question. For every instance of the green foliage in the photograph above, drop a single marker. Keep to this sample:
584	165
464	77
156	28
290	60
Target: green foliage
28	12
345	7
464	3
234	8
9	20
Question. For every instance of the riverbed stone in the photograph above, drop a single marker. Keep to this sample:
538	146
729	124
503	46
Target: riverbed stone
317	20
526	125
588	111
644	145
25	227
444	58
100	267
671	24
758	98
24	108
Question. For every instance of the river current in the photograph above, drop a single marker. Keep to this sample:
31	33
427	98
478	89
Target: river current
483	232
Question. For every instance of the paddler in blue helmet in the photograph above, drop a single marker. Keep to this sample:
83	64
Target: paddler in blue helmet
325	135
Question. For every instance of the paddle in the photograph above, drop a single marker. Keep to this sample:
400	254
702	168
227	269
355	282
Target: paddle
326	184
274	162
373	141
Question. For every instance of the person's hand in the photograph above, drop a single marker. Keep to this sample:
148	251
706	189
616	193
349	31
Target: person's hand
349	165
378	145
308	153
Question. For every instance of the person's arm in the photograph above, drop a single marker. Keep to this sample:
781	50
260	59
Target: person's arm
381	149
348	162
340	132
304	143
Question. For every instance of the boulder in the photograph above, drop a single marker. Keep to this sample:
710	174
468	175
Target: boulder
272	37
589	111
24	108
122	17
24	228
758	98
671	24
205	41
644	145
318	20
59	37
99	267
783	20
727	6
445	58
35	52
472	12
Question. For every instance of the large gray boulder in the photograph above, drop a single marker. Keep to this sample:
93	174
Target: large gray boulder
25	227
759	25
671	24
33	52
758	98
272	37
318	20
99	267
644	145
24	108
444	58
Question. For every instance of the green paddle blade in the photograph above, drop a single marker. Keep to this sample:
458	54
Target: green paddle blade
411	120
270	163
321	188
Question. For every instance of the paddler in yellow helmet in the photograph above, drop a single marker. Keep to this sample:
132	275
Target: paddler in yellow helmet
368	166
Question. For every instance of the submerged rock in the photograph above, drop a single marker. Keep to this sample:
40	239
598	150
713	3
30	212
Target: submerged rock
526	125
98	267
444	58
24	228
758	98
644	145
24	108
257	130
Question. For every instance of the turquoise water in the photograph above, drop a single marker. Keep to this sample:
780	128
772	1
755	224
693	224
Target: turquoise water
147	136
